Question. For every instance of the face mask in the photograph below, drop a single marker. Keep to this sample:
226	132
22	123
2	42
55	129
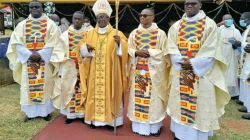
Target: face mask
243	23
229	22
57	23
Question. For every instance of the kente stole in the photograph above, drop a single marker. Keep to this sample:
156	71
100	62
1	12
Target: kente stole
189	43
144	41
35	33
100	70
74	45
244	59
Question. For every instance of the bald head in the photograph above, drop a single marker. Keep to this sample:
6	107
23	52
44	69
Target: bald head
226	17
55	18
246	17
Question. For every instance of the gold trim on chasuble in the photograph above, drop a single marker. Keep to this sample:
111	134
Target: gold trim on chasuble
189	43
74	45
244	55
100	71
35	33
143	83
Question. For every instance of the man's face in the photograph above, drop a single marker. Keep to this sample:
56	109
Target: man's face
102	20
146	17
86	20
192	7
77	20
228	20
245	18
35	9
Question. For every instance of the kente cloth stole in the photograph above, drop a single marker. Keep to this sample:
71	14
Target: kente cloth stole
243	60
74	44
143	83
35	33
100	70
189	43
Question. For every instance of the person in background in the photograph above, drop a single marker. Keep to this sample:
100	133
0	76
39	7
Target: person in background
64	24
231	39
55	18
87	24
19	20
245	66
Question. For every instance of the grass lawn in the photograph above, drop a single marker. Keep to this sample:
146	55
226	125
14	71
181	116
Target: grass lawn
8	32
12	126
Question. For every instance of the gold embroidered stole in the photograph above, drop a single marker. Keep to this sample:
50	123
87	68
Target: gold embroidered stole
74	45
189	43
35	33
100	70
143	84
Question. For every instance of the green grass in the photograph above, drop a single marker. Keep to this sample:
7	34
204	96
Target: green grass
8	32
232	126
5	78
12	126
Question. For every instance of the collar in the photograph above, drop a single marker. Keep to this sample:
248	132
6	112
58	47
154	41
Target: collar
152	27
198	16
71	28
228	28
40	18
103	30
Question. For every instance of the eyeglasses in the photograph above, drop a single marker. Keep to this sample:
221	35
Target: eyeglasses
34	7
144	15
190	3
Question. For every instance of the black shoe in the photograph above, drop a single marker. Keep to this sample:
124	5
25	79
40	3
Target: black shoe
68	121
235	98
246	116
26	118
92	126
243	109
156	134
47	118
239	102
83	120
111	128
176	138
135	133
